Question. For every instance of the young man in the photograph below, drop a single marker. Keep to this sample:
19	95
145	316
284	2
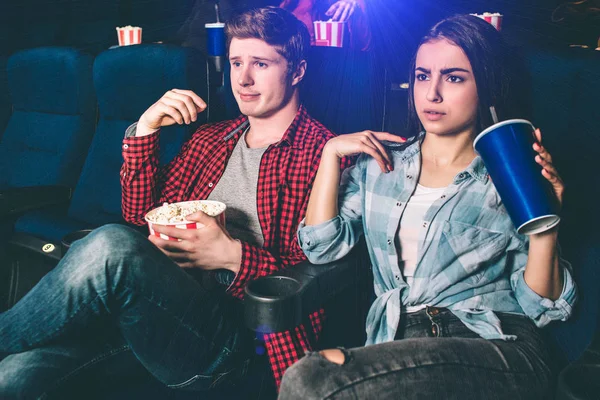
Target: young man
174	307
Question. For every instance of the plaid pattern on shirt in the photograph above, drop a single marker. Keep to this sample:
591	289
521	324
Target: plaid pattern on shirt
286	173
470	257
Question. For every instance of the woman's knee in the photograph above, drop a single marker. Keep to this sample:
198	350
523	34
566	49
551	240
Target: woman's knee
303	379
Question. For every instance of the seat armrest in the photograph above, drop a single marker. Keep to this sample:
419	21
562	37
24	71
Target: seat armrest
15	201
37	245
279	302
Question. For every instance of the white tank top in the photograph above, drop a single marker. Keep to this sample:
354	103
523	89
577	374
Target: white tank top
410	228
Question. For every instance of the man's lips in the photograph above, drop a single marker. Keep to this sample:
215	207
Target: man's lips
248	96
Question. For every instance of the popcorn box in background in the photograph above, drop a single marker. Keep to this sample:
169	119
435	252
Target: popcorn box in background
329	33
174	214
129	35
493	18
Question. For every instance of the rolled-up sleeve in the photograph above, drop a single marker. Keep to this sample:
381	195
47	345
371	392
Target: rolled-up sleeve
543	310
333	239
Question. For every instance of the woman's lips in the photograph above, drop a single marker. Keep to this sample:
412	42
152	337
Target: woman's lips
433	115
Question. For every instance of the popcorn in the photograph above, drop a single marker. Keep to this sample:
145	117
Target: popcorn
495	19
174	215
329	33
128	35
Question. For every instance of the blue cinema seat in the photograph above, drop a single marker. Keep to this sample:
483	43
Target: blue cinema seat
5	106
52	122
128	80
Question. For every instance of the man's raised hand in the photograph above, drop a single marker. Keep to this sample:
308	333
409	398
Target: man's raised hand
175	107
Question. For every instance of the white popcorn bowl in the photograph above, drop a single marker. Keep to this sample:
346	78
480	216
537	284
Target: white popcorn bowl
220	216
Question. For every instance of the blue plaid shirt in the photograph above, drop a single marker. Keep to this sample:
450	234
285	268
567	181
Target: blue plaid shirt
470	257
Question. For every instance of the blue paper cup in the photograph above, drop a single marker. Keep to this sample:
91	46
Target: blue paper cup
507	152
215	39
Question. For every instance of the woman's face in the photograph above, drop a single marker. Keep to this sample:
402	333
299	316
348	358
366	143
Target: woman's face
444	89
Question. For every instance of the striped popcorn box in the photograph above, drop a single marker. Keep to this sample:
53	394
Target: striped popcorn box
329	33
173	215
495	19
129	35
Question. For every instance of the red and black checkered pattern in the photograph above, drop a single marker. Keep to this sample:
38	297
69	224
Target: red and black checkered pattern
287	171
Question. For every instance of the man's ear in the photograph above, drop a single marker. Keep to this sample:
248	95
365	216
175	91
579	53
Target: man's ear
298	74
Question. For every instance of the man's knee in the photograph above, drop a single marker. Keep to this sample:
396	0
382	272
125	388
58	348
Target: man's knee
109	239
15	380
103	253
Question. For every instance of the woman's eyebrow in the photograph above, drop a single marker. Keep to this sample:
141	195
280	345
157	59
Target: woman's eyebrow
444	71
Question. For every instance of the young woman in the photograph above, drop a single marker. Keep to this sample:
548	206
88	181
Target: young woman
460	295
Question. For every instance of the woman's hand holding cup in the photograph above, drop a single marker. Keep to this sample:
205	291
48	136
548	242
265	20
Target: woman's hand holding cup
544	158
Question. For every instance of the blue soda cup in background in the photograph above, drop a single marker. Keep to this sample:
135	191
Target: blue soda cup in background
215	39
506	149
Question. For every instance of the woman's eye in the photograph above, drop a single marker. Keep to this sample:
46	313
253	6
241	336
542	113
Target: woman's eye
421	77
455	79
236	63
261	64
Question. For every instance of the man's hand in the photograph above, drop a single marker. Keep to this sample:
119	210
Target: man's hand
209	247
176	106
341	10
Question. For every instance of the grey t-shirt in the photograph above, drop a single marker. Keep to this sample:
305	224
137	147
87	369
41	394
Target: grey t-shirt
237	189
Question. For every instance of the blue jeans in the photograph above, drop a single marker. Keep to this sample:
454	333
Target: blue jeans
444	360
183	329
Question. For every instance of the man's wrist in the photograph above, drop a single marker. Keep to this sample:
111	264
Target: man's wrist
235	261
142	130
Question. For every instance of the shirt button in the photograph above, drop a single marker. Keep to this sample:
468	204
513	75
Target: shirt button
389	242
125	146
461	175
443	196
408	176
397	277
210	184
424	224
398	204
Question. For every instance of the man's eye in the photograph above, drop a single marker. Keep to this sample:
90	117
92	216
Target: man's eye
236	63
421	77
261	64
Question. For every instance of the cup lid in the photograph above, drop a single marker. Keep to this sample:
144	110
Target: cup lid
215	25
498	125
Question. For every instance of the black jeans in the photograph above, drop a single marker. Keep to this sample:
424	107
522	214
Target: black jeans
433	357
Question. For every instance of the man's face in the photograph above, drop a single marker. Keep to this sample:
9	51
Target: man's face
260	80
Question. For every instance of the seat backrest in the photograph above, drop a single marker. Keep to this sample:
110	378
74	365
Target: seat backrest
343	90
128	80
566	96
49	131
5	106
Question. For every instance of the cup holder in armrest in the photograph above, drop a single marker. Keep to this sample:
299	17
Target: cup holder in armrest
272	302
69	238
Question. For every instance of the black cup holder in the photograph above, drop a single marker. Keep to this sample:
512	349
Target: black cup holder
273	303
69	238
273	286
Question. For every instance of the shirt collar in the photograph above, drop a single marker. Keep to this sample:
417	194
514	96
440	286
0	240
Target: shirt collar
291	137
413	146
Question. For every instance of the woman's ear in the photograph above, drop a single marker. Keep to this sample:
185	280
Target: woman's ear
298	74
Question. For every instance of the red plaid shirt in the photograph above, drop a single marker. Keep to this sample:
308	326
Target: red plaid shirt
287	171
